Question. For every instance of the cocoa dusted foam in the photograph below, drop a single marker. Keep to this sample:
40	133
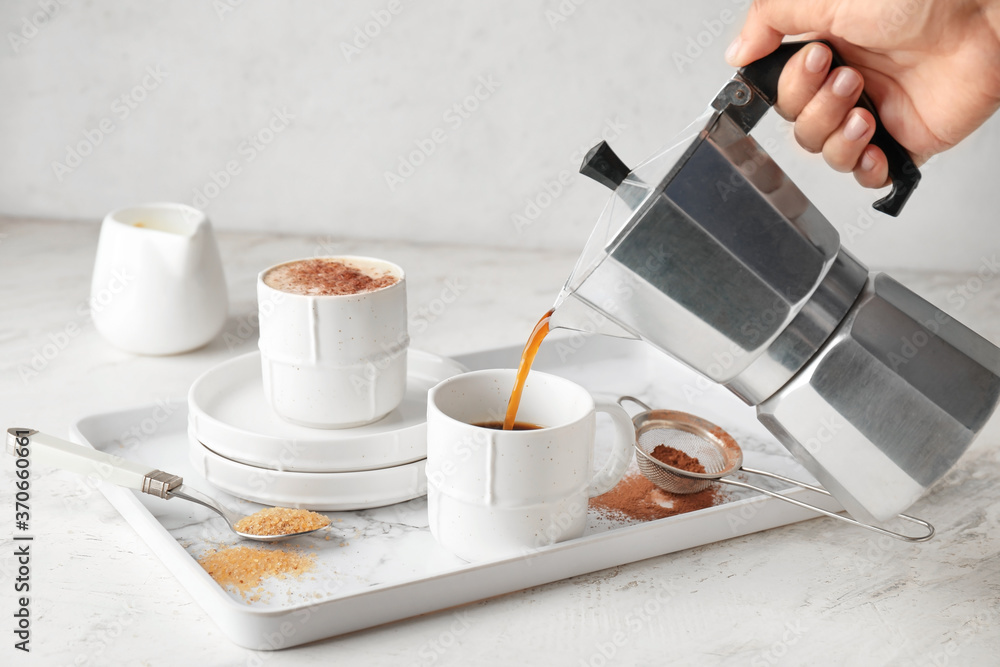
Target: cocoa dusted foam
326	277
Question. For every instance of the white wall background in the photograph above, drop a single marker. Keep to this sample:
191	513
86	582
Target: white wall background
565	72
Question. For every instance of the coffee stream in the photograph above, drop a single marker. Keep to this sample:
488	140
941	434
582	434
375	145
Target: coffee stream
527	358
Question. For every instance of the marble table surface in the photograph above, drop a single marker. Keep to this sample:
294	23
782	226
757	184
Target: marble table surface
816	592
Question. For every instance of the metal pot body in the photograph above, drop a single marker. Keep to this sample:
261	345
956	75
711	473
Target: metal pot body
724	264
890	403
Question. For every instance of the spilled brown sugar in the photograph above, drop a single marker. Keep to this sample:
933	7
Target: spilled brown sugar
280	521
677	459
636	497
245	568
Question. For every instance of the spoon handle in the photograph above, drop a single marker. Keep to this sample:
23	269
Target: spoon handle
58	453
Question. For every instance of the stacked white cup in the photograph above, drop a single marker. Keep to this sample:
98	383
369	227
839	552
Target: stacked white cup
334	360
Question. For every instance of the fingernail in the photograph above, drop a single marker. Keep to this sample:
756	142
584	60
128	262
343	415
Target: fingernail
733	51
867	161
817	59
846	83
855	128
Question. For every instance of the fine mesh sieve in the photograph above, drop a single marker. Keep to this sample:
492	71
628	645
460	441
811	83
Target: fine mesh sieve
721	456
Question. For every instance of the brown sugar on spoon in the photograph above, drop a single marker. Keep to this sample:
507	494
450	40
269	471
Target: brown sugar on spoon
280	521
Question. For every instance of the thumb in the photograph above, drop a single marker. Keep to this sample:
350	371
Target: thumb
768	21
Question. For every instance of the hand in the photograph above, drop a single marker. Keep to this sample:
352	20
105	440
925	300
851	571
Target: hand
931	67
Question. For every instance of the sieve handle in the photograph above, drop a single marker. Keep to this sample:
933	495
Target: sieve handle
621	453
632	399
899	536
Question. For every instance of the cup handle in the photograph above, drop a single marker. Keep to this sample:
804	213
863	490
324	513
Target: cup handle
614	468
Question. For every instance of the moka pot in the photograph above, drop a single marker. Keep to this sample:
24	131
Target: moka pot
710	253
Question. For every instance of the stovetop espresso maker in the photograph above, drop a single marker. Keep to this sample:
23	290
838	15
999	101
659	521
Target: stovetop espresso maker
709	252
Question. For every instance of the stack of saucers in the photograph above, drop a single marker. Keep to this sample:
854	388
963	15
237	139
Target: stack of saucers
241	446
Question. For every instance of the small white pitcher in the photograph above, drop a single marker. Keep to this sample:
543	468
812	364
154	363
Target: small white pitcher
158	285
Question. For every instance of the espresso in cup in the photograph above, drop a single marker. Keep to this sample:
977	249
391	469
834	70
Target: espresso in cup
517	426
495	492
333	339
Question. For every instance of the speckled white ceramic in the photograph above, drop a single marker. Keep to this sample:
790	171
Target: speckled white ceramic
334	361
158	286
494	493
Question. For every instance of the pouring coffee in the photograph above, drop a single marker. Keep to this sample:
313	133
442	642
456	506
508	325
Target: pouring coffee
709	252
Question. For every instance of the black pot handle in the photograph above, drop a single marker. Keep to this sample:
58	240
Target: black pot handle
763	75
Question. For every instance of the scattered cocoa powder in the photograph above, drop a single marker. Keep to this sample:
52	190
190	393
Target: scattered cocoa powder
677	459
324	277
636	497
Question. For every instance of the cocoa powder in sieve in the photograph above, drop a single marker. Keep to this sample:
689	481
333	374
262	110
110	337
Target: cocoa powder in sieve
636	497
677	459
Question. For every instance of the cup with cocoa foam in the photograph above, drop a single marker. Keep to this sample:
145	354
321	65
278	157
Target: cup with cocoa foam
333	339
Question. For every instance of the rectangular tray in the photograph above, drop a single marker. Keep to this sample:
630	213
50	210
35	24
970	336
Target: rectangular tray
383	565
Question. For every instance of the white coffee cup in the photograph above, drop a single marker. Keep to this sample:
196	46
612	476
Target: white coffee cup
158	285
339	360
495	494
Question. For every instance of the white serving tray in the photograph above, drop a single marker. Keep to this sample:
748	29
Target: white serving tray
382	565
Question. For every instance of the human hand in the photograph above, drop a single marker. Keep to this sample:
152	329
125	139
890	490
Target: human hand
931	68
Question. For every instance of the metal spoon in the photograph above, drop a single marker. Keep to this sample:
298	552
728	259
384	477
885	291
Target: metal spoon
52	451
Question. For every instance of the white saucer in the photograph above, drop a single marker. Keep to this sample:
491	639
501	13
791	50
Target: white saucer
229	413
327	491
